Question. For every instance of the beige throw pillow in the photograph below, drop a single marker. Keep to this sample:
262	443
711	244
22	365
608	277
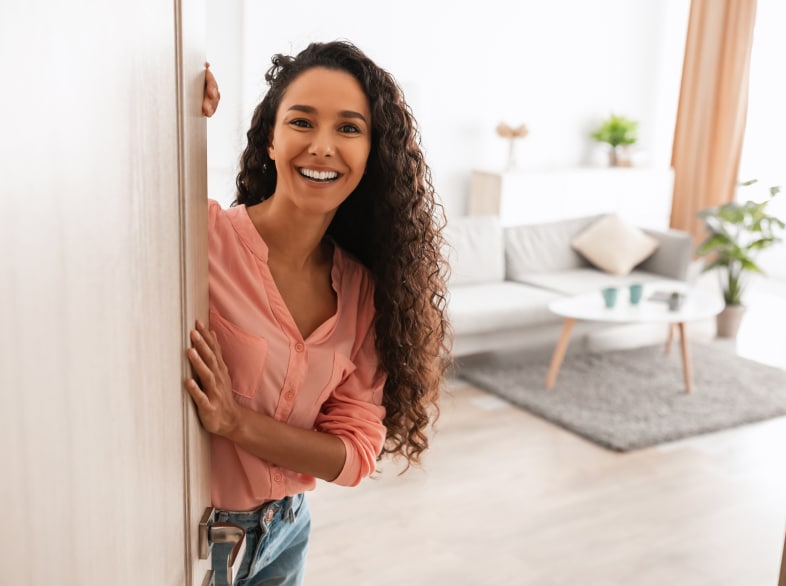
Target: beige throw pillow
614	246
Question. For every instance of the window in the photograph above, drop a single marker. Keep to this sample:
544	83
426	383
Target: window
764	146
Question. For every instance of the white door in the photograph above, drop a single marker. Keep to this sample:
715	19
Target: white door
102	272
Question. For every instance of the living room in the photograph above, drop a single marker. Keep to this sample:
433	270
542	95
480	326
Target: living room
102	219
504	496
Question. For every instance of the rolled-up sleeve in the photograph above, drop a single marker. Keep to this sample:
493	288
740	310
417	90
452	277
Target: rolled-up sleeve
354	413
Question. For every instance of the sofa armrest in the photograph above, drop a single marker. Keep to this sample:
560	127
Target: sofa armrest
673	256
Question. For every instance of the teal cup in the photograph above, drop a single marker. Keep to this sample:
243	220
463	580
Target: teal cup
635	293
609	296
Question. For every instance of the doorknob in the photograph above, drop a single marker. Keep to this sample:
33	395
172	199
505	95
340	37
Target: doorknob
211	531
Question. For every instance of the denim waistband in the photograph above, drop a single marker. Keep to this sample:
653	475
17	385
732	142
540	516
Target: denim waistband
264	512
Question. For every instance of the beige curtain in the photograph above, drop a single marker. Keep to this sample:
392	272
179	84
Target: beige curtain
712	108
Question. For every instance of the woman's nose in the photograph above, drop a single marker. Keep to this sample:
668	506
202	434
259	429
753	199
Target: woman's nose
322	145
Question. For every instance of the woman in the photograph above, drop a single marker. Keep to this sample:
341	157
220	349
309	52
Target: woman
328	336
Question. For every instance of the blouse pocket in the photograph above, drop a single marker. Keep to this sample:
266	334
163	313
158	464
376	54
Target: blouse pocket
245	355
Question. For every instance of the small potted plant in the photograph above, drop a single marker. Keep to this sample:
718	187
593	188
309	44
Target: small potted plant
736	233
618	132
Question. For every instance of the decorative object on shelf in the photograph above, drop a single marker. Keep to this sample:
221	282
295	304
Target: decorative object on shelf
511	133
619	133
737	232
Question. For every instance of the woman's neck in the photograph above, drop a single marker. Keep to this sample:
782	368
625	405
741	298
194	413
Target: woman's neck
293	238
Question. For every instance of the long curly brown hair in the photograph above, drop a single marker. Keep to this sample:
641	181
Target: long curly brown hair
392	223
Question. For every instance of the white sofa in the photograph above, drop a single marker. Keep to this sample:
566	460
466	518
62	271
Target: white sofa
503	278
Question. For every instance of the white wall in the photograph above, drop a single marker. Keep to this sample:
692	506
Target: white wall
558	67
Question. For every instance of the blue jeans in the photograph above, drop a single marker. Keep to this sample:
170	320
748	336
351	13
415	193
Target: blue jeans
276	541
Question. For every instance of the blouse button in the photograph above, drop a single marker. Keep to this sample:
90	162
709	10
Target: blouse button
299	347
289	395
277	477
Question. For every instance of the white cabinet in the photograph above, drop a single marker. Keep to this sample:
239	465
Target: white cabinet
641	196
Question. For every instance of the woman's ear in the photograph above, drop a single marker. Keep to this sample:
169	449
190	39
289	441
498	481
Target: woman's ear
271	152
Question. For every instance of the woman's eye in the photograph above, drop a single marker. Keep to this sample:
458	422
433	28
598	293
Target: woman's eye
301	123
350	128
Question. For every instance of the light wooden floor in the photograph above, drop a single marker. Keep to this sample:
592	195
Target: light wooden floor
506	498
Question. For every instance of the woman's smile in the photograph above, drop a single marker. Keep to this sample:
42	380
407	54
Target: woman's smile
318	176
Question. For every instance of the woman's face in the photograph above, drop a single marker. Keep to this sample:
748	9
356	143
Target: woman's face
321	140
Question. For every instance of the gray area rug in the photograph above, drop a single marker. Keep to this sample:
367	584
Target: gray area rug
630	399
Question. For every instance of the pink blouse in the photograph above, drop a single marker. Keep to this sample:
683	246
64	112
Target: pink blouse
331	381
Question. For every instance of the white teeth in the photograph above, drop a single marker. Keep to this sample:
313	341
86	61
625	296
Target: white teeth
318	175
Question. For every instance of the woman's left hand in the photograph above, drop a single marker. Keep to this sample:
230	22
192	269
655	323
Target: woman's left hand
218	410
211	95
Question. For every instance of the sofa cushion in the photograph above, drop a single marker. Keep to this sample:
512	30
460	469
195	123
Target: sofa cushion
504	305
577	281
674	255
613	245
474	250
543	248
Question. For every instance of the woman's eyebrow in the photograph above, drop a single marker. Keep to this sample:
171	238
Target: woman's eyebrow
353	114
342	113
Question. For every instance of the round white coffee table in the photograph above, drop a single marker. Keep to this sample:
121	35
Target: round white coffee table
696	305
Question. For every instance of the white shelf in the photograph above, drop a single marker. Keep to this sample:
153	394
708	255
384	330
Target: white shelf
639	195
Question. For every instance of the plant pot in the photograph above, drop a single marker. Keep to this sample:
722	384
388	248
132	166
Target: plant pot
728	321
620	156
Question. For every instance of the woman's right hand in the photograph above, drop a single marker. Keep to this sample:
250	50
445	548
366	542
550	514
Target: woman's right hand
211	95
216	405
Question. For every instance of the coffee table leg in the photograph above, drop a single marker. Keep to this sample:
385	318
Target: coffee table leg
685	358
559	351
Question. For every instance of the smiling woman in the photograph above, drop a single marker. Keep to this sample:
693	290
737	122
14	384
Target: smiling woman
328	337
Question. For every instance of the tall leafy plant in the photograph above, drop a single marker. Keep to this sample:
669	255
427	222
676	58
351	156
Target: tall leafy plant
737	232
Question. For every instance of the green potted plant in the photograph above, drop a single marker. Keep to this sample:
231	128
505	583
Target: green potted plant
736	233
618	132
